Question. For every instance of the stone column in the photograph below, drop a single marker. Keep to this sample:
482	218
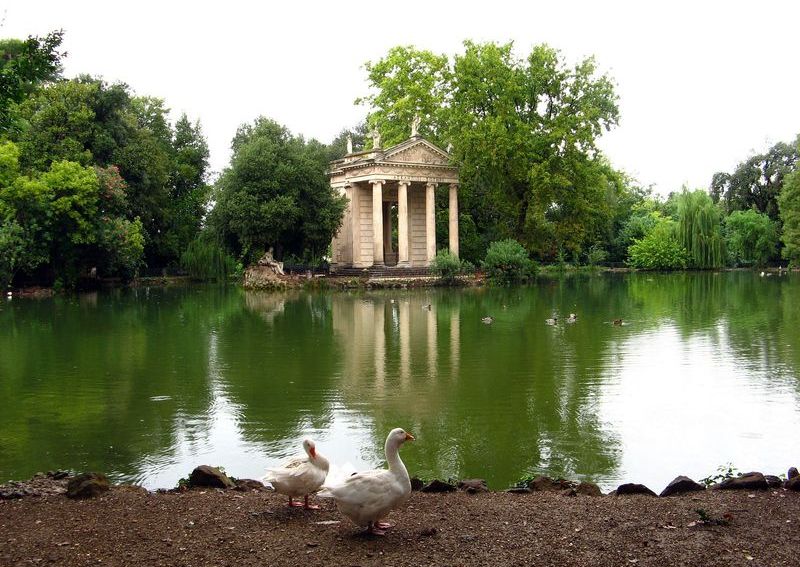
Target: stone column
387	226
355	219
377	222
430	222
402	224
453	218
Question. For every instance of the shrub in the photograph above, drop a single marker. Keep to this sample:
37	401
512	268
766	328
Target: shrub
596	255
507	262
659	250
751	237
448	266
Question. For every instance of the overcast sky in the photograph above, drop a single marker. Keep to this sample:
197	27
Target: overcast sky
702	85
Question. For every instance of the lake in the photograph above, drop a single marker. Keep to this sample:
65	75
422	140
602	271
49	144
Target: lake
144	384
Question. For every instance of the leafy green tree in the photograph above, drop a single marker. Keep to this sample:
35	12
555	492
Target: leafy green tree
164	169
642	218
757	182
24	65
62	222
659	249
789	204
700	230
276	194
408	82
751	237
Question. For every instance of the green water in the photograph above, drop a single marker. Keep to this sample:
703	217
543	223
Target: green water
145	384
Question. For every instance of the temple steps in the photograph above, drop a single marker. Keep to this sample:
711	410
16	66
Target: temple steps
382	272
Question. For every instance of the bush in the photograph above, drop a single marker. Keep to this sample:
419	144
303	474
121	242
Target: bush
507	262
596	255
448	266
751	237
659	250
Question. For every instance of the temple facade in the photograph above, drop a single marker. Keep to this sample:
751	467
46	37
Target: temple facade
388	186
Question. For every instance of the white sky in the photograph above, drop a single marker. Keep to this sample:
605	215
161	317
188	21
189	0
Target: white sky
702	85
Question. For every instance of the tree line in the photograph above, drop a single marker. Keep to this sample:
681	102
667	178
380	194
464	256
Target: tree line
96	180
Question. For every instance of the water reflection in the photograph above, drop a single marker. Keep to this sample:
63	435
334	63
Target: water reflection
146	384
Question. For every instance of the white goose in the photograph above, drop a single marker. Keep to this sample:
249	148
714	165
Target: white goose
366	497
300	476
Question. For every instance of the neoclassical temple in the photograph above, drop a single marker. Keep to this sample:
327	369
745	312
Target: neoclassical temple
387	184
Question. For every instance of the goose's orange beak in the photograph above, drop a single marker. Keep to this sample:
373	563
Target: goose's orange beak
409	437
313	452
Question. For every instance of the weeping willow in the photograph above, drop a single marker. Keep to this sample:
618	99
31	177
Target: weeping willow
205	259
699	229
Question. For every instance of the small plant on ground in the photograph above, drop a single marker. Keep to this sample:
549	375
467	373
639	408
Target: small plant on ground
724	472
707	520
507	262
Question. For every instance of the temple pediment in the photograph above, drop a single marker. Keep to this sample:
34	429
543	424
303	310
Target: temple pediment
416	151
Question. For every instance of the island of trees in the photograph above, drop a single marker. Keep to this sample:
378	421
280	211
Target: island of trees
96	181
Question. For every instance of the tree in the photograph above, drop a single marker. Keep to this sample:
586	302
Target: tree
789	205
23	65
408	82
751	237
523	133
62	222
276	194
164	169
699	229
757	182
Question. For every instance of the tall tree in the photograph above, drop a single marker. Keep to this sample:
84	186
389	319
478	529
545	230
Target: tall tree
407	82
88	121
699	229
756	182
751	237
789	205
23	65
276	194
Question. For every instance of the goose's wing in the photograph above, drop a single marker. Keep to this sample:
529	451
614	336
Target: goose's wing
361	487
293	467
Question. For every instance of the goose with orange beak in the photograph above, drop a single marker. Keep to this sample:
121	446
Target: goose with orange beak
300	476
367	497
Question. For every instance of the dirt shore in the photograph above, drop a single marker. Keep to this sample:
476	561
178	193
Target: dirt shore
128	526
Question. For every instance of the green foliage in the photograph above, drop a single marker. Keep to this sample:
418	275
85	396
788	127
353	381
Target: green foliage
409	82
448	266
204	259
67	220
276	194
507	262
750	237
24	65
147	168
699	229
789	203
596	255
659	249
13	249
122	243
757	182
724	472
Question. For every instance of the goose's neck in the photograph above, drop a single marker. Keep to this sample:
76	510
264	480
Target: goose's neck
393	459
